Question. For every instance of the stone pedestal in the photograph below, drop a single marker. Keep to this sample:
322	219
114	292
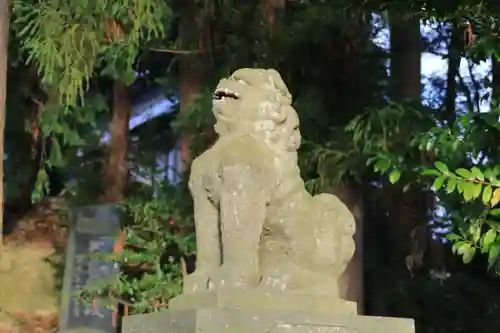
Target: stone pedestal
254	321
263	301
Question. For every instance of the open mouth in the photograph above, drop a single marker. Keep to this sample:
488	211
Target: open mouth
225	94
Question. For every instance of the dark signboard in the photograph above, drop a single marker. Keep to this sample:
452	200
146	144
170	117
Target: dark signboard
91	229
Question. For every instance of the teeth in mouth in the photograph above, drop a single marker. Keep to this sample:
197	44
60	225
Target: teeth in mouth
225	94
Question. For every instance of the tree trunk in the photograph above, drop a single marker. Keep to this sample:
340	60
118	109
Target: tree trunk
351	282
405	86
454	56
406	46
115	165
269	8
192	68
4	47
495	94
402	213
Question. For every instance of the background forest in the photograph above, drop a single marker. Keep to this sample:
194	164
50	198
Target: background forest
419	168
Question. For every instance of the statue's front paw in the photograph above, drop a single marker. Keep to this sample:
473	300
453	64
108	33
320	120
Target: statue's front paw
232	277
272	283
196	282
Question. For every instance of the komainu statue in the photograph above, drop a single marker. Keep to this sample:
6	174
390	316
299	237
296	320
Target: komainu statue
256	225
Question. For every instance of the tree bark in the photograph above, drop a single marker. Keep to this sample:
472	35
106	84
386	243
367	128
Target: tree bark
405	86
406	47
454	56
192	68
495	94
4	47
351	282
403	214
115	165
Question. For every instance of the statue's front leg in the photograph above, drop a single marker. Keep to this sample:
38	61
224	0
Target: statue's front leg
242	213
208	251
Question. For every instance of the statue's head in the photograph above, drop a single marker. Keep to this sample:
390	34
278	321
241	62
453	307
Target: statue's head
256	101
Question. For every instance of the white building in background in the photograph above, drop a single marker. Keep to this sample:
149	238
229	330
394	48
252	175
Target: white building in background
171	162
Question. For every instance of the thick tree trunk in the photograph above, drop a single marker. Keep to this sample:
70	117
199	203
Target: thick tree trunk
406	46
405	85
192	69
115	166
4	49
403	214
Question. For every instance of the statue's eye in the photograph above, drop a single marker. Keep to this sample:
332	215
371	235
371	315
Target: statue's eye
240	80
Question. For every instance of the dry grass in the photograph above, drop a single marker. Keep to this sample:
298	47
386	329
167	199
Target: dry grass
27	283
29	278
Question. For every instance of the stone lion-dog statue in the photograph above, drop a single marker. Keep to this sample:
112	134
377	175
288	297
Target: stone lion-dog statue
257	227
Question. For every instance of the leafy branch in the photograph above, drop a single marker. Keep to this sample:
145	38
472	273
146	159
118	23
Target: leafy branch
470	183
482	232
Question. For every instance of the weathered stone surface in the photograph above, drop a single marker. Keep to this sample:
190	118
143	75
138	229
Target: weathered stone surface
256	225
92	229
244	321
257	300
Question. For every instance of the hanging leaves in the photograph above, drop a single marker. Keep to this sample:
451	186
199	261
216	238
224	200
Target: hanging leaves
64	39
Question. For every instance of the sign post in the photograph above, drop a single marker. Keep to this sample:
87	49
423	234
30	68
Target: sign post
92	229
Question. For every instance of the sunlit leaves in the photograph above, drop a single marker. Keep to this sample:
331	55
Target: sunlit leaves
489	237
65	39
394	176
438	183
382	165
441	167
464	249
495	198
487	194
451	185
476	173
464	173
470	183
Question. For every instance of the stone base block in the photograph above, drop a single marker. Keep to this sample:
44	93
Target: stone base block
251	300
245	321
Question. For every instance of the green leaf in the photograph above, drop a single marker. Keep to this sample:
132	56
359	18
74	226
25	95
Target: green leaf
431	172
382	165
487	193
468	254
495	198
464	173
56	158
438	183
461	185
477	190
495	225
494	253
463	247
451	185
441	167
488	173
477	173
456	247
394	176
495	212
475	232
489	237
453	237
469	190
